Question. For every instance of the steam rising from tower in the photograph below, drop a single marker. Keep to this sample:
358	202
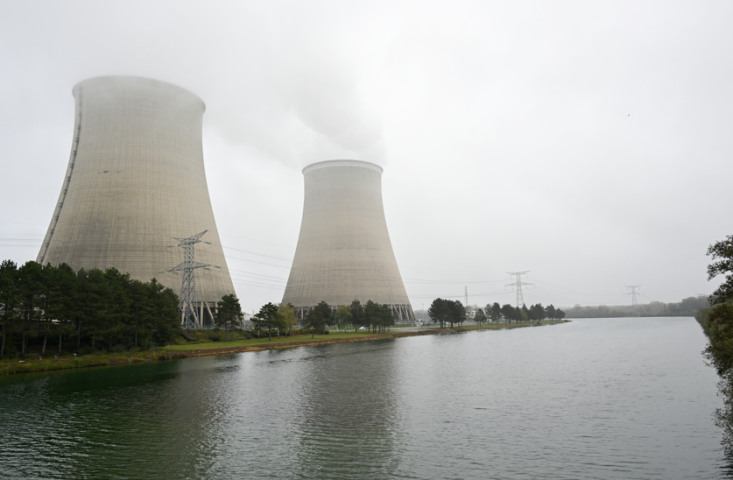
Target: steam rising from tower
344	252
135	181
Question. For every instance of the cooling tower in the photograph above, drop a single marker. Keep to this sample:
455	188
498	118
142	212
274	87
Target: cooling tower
344	252
136	181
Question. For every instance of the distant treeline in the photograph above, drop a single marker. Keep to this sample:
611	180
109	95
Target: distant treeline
454	312
685	308
97	309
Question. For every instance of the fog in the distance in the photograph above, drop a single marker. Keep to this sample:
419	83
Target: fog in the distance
586	142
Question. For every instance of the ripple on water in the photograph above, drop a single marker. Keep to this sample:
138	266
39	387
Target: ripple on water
621	398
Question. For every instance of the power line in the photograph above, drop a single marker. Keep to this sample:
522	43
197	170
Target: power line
259	254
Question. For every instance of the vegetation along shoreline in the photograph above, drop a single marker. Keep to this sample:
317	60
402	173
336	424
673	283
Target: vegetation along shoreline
171	352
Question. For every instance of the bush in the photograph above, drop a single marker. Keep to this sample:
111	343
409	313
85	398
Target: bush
147	344
11	351
118	348
86	350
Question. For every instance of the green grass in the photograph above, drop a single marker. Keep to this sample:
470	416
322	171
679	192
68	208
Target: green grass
331	337
10	366
281	339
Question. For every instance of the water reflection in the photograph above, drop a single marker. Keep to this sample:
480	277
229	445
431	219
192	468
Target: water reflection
348	418
624	398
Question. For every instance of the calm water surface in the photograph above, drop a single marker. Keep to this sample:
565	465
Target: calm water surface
617	398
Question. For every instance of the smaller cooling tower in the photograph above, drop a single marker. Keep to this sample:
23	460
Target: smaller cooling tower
344	252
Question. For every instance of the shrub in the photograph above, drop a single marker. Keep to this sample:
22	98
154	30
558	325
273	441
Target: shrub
11	351
86	350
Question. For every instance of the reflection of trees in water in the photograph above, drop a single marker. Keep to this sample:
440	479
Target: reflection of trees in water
126	422
348	420
724	417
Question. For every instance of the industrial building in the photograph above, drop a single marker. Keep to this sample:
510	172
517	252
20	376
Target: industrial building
136	182
344	252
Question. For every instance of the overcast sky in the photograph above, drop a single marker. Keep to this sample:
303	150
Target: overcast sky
587	142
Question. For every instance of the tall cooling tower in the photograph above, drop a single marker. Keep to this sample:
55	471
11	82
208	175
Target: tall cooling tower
136	181
344	252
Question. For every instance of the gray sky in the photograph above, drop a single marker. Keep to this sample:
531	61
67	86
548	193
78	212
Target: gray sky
586	142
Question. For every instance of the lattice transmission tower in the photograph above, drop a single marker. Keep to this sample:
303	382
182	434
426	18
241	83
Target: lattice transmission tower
187	304
518	284
634	292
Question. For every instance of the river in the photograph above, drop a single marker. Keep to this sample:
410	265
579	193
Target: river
624	398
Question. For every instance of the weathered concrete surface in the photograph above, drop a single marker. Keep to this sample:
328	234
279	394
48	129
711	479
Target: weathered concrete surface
135	180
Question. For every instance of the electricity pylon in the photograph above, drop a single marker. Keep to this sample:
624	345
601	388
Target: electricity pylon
187	303
633	294
518	284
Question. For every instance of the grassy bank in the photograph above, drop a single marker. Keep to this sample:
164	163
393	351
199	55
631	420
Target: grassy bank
198	346
10	367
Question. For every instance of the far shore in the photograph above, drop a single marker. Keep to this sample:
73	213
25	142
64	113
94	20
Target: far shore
170	352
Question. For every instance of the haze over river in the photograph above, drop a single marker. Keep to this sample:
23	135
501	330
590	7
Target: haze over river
601	398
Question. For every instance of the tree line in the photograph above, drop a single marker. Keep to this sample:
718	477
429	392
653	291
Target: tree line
282	318
685	308
91	308
717	320
452	312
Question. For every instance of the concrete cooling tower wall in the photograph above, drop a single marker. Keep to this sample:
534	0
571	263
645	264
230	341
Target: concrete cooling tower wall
135	181
344	252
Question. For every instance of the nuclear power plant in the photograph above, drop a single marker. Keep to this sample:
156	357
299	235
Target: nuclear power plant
136	186
344	252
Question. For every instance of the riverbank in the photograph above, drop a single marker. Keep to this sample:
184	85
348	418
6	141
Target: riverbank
10	367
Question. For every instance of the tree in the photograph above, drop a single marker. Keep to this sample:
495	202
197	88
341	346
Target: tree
141	321
373	314
62	305
31	290
287	310
537	312
269	317
439	311
343	316
166	316
387	317
318	318
93	304
550	312
120	308
494	312
9	299
508	312
456	312
358	319
719	353
479	317
522	314
722	254
229	314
